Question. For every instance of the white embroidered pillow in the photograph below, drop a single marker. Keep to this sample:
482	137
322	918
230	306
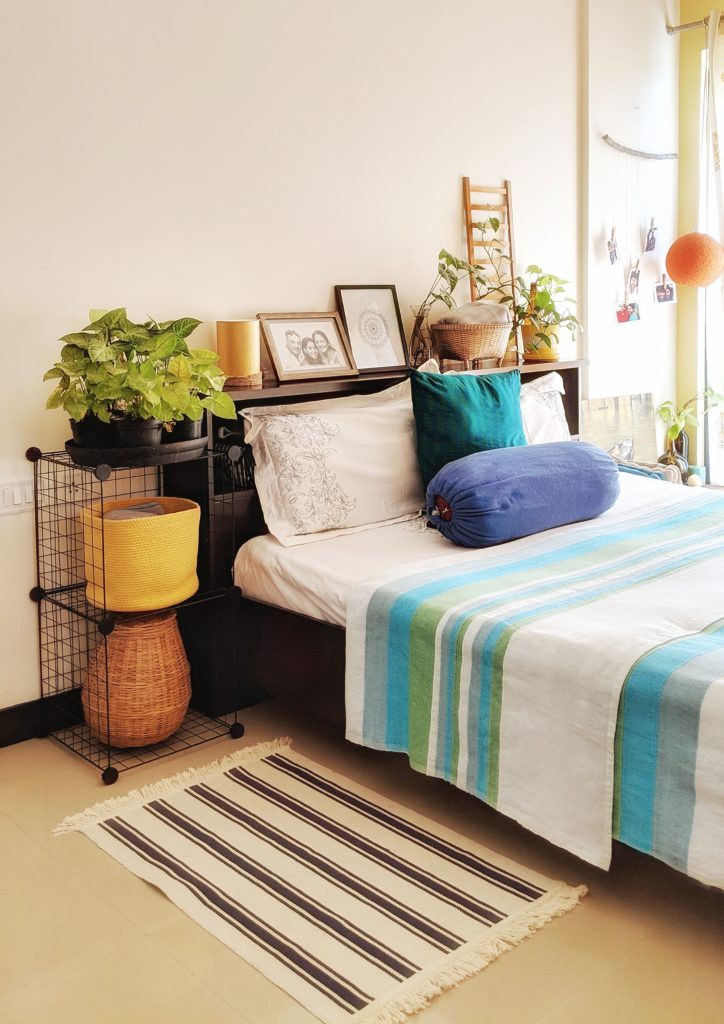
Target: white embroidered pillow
544	418
323	472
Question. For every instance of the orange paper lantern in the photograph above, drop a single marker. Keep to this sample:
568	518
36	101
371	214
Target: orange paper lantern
695	259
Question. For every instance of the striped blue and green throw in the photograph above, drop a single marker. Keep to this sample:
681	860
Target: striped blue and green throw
558	674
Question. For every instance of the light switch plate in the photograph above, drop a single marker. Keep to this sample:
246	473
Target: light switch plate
16	496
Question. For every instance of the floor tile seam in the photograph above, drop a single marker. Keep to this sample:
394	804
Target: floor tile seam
156	940
64	973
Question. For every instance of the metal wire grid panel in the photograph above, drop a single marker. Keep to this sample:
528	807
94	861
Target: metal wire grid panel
71	626
195	730
63	491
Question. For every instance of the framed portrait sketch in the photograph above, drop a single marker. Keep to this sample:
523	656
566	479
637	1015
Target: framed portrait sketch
303	346
371	314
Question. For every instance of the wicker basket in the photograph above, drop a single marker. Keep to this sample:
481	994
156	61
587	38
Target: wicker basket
138	565
468	342
138	685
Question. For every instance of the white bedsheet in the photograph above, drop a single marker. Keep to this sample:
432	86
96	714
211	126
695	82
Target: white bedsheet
317	579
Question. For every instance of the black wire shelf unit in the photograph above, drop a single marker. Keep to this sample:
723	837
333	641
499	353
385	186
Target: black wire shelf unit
70	626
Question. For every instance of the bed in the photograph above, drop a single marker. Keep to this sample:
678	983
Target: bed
573	679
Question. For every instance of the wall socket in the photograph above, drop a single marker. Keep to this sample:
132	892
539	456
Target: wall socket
16	496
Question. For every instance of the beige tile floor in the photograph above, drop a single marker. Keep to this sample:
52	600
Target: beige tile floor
83	941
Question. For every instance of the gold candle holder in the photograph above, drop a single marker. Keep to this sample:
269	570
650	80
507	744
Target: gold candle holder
238	343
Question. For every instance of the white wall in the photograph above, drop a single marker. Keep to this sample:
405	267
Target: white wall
218	159
633	97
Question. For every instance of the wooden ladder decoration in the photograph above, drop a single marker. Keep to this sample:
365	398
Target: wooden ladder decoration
494	202
480	202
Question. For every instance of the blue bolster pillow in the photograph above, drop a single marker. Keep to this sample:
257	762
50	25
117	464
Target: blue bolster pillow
495	496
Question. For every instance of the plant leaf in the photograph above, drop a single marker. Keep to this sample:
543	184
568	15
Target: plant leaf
77	338
180	367
163	346
55	398
184	326
100	351
113	319
220	404
203	356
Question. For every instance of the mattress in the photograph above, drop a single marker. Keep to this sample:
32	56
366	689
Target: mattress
317	579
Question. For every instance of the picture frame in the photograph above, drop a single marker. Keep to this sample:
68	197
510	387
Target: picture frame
627	312
664	290
632	281
371	316
307	346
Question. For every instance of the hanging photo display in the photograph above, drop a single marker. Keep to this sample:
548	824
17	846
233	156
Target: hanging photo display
612	247
664	290
627	312
632	282
651	237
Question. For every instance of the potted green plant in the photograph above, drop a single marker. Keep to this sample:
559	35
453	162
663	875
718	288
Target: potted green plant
677	417
115	384
451	270
542	310
193	384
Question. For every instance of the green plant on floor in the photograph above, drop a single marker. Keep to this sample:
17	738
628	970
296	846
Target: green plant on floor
677	417
115	367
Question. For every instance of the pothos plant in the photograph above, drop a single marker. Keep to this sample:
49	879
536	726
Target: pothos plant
542	305
677	417
450	272
115	367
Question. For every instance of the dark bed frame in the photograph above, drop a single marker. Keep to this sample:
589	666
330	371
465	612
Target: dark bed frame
242	651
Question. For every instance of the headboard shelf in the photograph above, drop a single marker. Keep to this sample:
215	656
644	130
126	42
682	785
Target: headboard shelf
283	390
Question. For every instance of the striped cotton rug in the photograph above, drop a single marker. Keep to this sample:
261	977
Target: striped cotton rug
358	908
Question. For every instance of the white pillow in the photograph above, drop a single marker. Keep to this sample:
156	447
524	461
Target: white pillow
337	466
544	418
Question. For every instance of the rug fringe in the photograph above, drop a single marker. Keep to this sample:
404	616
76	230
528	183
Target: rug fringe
137	797
472	958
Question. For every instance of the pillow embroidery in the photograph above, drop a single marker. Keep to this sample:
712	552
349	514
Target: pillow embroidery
312	490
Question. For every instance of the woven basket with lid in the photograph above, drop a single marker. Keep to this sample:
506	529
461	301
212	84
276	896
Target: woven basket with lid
468	342
138	684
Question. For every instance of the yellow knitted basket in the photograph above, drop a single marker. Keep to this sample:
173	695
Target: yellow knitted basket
141	564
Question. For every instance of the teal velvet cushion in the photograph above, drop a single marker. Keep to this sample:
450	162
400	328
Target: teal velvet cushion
459	414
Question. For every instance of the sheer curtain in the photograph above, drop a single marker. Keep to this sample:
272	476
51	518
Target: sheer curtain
712	221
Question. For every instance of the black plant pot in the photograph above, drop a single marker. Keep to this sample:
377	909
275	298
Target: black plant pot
681	443
671	457
90	432
186	430
130	432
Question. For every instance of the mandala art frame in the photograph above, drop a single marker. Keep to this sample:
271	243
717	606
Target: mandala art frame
372	319
279	330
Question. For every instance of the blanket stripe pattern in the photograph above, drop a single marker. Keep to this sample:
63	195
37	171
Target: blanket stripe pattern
508	676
